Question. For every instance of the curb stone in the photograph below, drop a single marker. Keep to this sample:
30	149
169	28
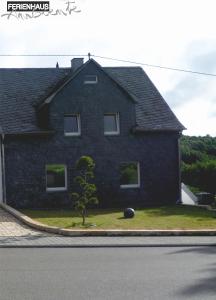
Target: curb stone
134	245
113	232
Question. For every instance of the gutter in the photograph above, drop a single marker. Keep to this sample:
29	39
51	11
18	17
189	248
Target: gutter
2	158
140	130
179	201
32	133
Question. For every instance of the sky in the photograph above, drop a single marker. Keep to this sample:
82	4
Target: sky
172	33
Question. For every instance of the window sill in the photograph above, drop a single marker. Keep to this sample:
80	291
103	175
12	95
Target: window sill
90	82
56	189
111	133
130	186
72	134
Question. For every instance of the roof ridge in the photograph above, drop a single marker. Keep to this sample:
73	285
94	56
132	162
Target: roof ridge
49	68
123	67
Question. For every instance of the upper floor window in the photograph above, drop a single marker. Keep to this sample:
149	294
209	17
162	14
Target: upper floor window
90	79
72	125
130	175
56	178
111	124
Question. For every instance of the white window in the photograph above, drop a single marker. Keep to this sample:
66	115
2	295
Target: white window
111	124
130	175
72	126
90	79
56	178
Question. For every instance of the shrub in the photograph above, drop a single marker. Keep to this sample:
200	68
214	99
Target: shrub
86	191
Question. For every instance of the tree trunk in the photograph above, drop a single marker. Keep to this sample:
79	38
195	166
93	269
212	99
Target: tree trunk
83	216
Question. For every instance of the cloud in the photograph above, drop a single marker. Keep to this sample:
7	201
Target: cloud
205	62
195	116
200	58
185	91
193	97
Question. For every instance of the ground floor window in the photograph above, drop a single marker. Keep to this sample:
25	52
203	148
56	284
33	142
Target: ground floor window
130	175
56	178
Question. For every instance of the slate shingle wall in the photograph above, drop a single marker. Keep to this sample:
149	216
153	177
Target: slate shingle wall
26	159
157	153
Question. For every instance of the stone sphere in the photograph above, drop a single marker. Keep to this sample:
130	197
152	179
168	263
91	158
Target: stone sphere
129	213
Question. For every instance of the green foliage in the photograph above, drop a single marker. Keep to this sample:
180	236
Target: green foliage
128	173
194	189
192	156
56	168
199	162
201	174
196	148
86	191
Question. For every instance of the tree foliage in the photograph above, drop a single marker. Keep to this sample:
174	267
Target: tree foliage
85	190
199	162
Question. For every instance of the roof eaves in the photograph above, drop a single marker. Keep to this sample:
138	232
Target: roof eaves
143	129
42	132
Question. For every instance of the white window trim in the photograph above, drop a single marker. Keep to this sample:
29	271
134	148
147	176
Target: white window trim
90	81
137	185
117	132
78	133
57	189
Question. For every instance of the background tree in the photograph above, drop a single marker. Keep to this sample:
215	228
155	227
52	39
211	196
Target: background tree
199	162
201	174
85	190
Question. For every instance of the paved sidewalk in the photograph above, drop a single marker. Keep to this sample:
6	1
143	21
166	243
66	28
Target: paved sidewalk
37	241
11	227
15	234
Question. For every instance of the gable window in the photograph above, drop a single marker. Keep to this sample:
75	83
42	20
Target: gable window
72	125
90	79
56	178
130	175
111	124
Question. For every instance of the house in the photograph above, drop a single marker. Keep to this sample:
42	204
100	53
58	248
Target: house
49	117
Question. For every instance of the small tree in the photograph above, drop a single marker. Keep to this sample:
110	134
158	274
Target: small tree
85	190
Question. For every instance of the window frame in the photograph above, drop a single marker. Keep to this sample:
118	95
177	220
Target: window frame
137	185
117	119
57	189
90	81
78	133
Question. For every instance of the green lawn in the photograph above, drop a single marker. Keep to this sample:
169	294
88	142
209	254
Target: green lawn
169	217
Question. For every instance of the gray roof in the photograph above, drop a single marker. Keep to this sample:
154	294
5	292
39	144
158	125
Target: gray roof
152	112
22	89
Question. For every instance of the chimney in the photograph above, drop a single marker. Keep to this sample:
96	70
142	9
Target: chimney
76	63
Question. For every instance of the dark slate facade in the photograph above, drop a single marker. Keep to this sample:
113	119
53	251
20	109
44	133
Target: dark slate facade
156	149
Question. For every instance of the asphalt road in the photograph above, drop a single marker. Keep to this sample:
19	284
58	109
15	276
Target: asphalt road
108	273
